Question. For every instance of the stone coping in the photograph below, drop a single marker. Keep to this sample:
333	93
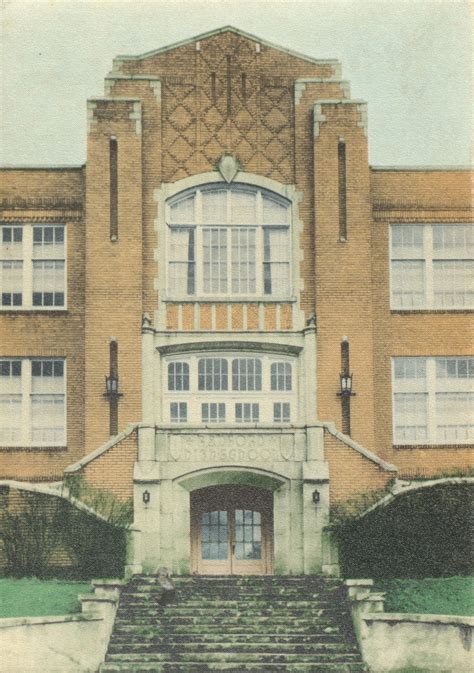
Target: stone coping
345	439
359	583
452	620
108	583
94	598
9	622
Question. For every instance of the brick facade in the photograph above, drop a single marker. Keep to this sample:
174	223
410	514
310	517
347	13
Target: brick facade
173	114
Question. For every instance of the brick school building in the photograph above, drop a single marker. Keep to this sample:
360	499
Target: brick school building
227	314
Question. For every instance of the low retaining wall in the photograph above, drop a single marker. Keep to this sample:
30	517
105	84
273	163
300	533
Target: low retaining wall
428	643
64	644
408	643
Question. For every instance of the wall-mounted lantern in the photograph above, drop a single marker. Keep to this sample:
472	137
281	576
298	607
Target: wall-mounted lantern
146	497
346	385
316	497
111	386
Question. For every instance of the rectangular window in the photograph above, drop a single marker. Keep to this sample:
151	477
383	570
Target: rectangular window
32	402
215	260
276	265
178	376
11	266
281	412
212	374
213	412
182	266
246	374
280	376
432	266
244	265
11	282
178	412
10	402
32	266
48	283
246	412
433	400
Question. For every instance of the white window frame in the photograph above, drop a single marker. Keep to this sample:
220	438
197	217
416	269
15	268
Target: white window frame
264	397
428	257
28	259
199	225
27	395
431	386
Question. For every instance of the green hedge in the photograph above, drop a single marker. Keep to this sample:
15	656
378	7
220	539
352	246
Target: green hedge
43	524
423	533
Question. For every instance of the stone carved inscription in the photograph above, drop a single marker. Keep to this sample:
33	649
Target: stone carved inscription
222	448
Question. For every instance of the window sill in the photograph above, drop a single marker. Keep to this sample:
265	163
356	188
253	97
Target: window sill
20	309
407	311
46	447
229	300
401	447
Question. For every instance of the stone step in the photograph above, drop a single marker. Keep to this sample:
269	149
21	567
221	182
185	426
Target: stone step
241	580
130	634
208	623
244	657
231	667
170	611
230	647
261	624
235	602
265	629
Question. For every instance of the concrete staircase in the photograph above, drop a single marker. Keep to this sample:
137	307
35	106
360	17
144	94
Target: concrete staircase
259	624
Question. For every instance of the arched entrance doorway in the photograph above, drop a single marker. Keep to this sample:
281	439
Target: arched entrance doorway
232	530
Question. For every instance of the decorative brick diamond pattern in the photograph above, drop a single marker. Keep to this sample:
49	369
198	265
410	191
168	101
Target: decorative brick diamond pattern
225	106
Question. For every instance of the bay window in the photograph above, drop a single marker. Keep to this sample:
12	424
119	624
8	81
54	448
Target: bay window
229	388
228	241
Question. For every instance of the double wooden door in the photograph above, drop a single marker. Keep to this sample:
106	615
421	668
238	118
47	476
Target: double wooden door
231	531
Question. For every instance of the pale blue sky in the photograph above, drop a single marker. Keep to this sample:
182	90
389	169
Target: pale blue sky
411	60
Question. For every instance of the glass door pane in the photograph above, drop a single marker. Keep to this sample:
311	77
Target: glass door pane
214	536
248	535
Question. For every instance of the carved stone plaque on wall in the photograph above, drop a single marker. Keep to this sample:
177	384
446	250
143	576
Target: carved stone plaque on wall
227	448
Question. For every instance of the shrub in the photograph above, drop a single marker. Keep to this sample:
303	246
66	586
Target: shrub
421	533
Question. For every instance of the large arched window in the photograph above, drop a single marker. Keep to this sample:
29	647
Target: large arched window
228	240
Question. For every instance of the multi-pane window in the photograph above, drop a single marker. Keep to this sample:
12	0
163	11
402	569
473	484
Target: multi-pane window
433	400
255	389
248	534
228	241
10	402
213	412
247	412
212	374
214	535
178	376
281	376
32	266
246	374
178	412
32	402
11	266
432	266
281	412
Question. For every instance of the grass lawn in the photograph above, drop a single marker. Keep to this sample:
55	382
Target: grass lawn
432	595
30	597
